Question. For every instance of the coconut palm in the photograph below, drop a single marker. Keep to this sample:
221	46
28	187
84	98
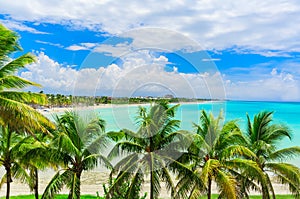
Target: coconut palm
77	144
36	155
13	102
263	139
215	155
148	152
10	155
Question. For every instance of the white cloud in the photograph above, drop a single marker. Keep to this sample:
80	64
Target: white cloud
251	24
113	50
275	85
141	73
142	38
77	47
14	25
49	43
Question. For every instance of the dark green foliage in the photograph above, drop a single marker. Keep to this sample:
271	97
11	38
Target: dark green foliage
121	192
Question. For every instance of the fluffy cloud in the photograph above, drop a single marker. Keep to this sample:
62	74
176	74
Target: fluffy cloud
278	84
250	24
14	25
141	73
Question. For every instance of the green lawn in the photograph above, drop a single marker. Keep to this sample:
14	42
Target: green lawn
57	197
215	196
95	197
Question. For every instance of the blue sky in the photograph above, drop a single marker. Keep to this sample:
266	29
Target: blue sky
235	49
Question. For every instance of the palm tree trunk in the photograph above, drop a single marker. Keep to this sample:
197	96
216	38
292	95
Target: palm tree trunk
151	184
8	180
265	191
209	188
36	184
78	175
271	187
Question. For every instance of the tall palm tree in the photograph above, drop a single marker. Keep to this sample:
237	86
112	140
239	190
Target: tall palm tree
77	144
215	155
36	155
13	102
263	138
149	152
10	155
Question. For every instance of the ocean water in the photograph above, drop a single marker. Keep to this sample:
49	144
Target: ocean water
287	113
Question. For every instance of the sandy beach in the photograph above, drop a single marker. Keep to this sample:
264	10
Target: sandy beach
92	182
63	109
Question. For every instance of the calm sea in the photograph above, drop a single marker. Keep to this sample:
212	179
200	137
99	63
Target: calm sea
284	112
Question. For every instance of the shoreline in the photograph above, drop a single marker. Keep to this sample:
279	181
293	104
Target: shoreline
103	106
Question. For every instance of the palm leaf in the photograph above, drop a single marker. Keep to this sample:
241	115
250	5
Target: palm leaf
16	64
56	184
25	97
74	186
23	113
226	184
135	184
285	153
15	82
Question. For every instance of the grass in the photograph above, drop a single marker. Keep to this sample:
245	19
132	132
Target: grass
95	197
215	196
62	196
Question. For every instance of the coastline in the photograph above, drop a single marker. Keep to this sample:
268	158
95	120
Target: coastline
102	106
91	187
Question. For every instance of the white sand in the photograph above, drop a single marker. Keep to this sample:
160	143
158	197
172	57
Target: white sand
92	183
63	109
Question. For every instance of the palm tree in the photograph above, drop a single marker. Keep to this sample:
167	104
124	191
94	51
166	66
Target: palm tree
215	155
263	138
14	103
36	156
10	155
77	144
151	150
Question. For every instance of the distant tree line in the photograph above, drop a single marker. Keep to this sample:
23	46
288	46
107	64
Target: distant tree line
60	100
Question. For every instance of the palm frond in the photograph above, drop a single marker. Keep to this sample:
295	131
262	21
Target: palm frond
124	174
16	64
29	118
125	146
285	153
208	169
286	170
261	122
91	161
8	42
25	97
235	151
74	186
135	184
277	132
128	163
97	143
56	184
9	83
20	173
226	184
167	178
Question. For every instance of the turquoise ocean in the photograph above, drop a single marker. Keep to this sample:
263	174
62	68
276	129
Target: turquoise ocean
287	113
